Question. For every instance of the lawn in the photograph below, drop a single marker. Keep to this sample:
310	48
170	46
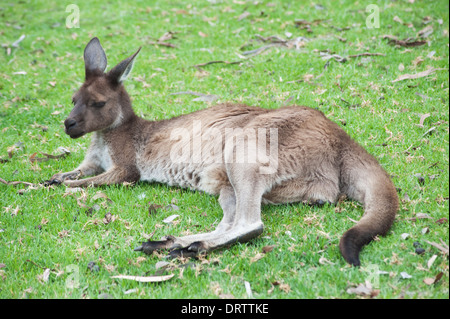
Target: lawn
381	74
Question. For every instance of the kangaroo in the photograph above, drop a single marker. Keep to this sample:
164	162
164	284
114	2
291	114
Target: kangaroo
248	156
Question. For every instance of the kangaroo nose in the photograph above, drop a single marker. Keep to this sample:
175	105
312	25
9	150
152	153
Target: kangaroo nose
69	123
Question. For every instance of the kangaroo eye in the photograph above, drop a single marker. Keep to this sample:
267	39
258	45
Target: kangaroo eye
98	104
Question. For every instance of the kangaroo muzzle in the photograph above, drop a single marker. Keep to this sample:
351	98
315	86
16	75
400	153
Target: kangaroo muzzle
73	128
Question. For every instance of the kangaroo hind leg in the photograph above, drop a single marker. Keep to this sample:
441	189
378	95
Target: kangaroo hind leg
242	226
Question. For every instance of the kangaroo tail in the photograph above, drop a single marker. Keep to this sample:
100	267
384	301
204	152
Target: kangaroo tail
364	180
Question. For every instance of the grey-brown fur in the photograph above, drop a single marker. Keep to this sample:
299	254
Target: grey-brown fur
316	161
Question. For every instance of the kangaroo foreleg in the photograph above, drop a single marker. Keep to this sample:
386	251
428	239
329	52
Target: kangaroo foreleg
87	168
115	175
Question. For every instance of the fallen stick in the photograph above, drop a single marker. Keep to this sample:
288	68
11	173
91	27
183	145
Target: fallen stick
441	248
366	54
15	182
213	62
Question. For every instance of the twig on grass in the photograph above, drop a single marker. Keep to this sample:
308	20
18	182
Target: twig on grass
443	247
213	62
16	183
366	54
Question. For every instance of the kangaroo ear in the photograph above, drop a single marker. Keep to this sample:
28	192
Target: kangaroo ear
94	57
120	72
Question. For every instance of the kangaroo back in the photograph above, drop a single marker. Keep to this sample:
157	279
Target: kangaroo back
364	180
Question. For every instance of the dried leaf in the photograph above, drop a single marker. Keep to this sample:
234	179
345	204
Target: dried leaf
15	44
285	287
324	261
257	257
405	275
170	219
438	277
167	36
417	61
201	73
276	41
319	7
130	291
46	275
360	290
423	118
425	32
181	11
244	15
162	264
431	261
443	248
101	195
215	288
153	208
423	216
109	218
81	202
248	290
417	75
397	19
326	56
109	268
171	207
63	233
404	236
267	249
431	54
144	279
404	43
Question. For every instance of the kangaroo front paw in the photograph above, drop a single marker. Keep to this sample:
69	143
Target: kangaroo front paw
56	179
193	250
52	181
61	177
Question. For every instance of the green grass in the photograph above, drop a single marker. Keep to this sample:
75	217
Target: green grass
47	228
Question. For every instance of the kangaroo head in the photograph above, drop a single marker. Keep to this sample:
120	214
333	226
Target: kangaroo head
101	102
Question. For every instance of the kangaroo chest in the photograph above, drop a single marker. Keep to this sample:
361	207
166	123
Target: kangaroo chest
99	152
